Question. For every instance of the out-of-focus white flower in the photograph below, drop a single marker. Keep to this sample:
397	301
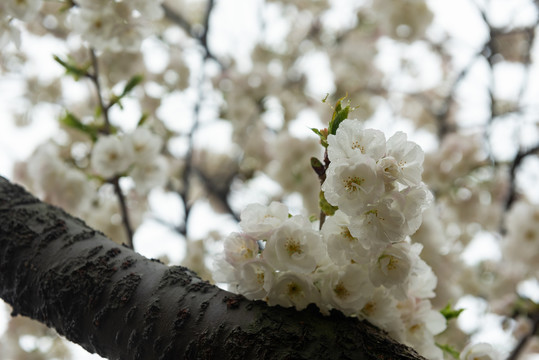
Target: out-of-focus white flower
351	139
260	221
145	145
479	351
294	246
240	248
522	240
345	288
22	9
148	175
292	289
110	156
352	183
115	25
56	182
8	32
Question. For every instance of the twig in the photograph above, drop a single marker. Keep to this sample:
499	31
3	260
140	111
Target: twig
182	22
188	170
94	77
125	212
520	346
512	174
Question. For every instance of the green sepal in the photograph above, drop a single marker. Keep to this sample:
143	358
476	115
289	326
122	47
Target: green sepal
450	350
339	115
450	313
70	120
323	134
326	207
71	68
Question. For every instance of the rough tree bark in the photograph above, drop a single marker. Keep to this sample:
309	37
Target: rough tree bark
115	302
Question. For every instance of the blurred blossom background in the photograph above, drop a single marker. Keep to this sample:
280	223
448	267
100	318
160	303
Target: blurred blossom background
230	90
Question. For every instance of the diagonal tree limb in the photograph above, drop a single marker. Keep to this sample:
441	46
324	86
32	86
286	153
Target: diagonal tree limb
114	302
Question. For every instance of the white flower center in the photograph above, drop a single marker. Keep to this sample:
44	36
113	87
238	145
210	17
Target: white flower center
353	183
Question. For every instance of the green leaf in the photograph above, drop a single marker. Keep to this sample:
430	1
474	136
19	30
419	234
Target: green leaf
326	207
450	313
131	84
71	68
339	115
134	81
70	120
142	119
449	349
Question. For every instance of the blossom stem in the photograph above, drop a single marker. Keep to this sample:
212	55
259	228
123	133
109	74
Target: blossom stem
322	177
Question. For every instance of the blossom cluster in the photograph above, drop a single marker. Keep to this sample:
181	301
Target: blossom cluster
361	262
135	153
115	25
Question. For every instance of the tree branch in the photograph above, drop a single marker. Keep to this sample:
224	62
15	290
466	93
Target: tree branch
121	305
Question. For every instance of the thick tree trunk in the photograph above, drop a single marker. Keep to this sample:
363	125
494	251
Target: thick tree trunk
113	301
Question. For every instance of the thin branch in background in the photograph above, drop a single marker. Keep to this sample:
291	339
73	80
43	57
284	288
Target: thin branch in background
94	77
521	344
188	169
183	23
220	192
512	174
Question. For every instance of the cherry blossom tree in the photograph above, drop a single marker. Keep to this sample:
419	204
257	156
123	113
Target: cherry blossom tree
367	208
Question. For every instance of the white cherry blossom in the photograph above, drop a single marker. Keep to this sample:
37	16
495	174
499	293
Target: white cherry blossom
292	289
240	248
110	156
352	183
294	246
391	268
149	175
254	279
145	145
404	160
342	246
259	221
479	351
351	139
345	288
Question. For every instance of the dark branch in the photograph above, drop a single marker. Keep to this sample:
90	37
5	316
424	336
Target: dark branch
114	302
